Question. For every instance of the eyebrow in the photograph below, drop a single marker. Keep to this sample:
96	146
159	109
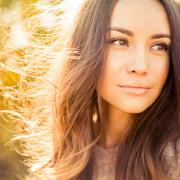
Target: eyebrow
130	33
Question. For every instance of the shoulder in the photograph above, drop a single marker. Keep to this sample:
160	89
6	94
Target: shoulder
172	160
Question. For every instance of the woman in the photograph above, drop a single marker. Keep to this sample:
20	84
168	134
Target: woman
119	98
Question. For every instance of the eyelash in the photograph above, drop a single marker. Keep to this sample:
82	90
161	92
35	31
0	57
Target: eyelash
167	47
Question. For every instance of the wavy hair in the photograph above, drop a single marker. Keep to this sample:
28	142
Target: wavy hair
65	110
140	155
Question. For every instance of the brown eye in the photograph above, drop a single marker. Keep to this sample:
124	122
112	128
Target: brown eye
119	42
161	47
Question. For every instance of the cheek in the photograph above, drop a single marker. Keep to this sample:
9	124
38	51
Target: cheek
113	71
158	74
159	71
115	65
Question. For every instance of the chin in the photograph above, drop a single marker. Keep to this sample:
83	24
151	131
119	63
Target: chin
134	109
135	105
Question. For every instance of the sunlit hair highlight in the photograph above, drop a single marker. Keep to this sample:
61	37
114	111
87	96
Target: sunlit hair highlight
141	152
60	140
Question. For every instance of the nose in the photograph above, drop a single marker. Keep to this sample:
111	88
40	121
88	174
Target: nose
138	63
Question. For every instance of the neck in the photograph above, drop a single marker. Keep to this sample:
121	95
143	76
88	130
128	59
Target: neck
116	125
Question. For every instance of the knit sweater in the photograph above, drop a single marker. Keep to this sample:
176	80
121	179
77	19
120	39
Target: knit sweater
105	161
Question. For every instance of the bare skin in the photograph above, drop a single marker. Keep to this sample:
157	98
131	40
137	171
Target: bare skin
140	60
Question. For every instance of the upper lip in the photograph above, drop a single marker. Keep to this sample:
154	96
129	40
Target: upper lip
134	86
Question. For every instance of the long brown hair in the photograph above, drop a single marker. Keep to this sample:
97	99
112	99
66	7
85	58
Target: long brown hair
140	155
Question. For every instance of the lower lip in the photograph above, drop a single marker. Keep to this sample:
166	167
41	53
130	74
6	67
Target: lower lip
134	90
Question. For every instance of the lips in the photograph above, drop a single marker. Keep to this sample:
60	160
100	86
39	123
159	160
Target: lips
134	86
134	89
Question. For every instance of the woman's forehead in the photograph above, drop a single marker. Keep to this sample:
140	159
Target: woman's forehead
140	16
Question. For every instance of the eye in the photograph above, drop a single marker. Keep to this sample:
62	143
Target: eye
161	47
119	42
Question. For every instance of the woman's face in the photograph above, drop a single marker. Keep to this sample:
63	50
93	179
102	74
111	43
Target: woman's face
137	55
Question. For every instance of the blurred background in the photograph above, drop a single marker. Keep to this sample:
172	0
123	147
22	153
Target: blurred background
25	27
